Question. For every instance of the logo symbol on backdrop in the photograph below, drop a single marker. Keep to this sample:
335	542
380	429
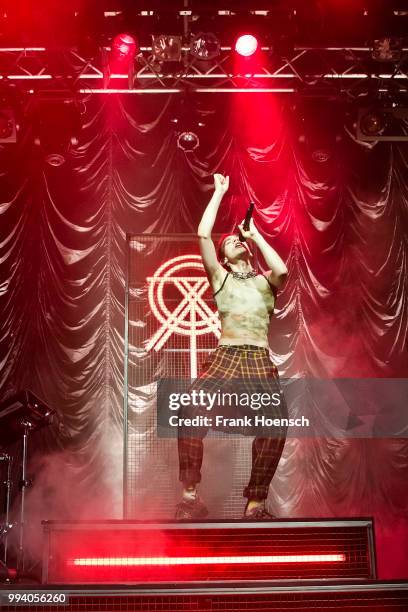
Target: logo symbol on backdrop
191	316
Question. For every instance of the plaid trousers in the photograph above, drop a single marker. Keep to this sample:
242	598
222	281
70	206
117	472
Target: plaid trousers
225	364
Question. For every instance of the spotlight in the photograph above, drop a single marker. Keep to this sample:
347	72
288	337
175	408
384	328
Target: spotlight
322	147
321	156
205	46
124	48
384	121
55	159
121	59
166	48
246	45
56	125
188	141
8	130
387	50
373	123
320	127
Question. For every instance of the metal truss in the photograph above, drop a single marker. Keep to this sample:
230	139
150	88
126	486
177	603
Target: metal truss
323	71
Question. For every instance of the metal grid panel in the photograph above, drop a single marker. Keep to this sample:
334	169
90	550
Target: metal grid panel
151	463
194	540
376	599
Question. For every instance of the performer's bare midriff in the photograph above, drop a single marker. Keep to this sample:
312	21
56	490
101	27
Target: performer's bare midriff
245	311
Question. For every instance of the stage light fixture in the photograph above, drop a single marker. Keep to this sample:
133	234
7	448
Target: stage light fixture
56	125
205	46
121	58
166	48
97	562
320	127
8	128
383	121
124	47
246	45
373	123
55	159
321	156
387	50
188	141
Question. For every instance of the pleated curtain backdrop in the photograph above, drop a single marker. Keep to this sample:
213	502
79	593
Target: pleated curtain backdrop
341	226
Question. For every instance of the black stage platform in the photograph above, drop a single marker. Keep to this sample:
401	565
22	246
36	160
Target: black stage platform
291	564
373	596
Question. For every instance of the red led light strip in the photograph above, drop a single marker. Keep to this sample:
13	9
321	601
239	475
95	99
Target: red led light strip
168	561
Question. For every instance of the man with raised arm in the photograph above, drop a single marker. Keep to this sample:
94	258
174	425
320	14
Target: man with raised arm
245	302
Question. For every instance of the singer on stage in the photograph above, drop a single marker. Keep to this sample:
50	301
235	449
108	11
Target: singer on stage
245	302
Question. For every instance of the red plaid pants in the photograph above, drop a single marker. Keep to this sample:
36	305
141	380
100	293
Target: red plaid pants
225	364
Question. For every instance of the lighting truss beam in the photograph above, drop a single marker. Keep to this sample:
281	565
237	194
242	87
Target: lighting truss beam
334	70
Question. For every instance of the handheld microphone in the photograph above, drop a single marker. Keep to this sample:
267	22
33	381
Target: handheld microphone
247	219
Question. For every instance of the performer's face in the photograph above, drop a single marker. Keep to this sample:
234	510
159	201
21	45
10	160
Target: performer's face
233	248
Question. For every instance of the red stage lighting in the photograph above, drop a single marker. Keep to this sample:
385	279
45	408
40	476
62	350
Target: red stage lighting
229	560
124	47
246	45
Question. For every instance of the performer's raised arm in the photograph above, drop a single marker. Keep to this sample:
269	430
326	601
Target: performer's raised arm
211	264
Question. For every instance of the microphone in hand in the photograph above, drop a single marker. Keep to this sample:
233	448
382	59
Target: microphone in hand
245	225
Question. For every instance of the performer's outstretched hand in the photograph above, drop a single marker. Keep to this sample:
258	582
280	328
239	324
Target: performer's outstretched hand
252	233
221	183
